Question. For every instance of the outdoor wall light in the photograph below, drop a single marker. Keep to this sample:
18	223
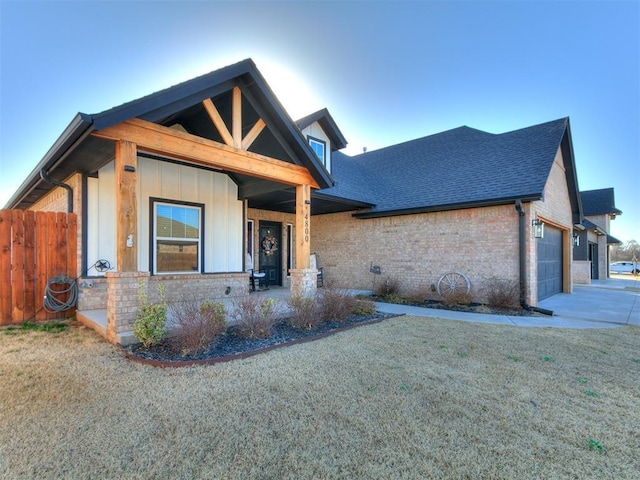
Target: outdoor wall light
576	239
538	228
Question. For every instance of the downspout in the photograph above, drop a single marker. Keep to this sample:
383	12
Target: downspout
60	184
522	232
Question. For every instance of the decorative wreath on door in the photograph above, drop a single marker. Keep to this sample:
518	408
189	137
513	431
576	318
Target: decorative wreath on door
269	245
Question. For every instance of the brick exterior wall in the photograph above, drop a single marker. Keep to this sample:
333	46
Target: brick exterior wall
123	291
92	294
415	250
555	210
581	271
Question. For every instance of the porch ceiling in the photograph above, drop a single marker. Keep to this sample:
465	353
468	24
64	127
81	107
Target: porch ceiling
284	200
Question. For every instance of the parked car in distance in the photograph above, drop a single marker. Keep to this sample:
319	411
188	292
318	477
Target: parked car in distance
624	267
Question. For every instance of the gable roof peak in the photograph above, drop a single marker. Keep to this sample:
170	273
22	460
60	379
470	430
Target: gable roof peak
328	124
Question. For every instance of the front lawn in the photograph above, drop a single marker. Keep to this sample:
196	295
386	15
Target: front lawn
405	398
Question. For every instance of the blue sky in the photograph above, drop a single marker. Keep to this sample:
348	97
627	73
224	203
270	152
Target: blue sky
387	71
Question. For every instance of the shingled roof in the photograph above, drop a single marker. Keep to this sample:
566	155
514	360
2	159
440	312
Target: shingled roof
76	150
459	168
599	202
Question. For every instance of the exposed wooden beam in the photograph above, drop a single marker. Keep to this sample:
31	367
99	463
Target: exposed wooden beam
303	226
253	134
215	117
165	141
126	166
236	117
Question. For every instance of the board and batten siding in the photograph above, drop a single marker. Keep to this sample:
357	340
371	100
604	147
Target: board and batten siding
223	215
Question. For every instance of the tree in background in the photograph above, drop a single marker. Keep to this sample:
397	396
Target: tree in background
626	252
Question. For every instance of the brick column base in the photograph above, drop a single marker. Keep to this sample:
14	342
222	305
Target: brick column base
122	302
304	282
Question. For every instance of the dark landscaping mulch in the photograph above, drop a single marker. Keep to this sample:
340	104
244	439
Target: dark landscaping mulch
471	308
231	345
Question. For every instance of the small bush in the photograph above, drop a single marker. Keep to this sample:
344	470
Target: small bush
151	318
395	298
454	298
364	307
304	312
418	295
255	316
390	286
502	293
198	324
336	304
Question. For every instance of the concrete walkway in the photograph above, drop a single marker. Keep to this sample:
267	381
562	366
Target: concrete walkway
603	304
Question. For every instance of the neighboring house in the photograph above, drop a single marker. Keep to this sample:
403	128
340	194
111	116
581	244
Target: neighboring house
177	187
591	255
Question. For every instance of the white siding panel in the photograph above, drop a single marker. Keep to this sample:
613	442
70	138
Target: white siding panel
181	183
102	218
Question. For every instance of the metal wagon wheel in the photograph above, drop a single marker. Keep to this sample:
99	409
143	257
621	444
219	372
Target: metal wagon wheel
453	283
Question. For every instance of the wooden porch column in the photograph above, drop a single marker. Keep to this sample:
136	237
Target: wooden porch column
126	165
304	280
303	226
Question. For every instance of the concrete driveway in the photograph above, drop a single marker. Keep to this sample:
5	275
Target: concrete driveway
613	301
603	304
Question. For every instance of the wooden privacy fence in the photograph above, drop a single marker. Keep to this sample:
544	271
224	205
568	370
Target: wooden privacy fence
34	248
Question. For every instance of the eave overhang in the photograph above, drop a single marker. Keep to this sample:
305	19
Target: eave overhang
76	150
447	207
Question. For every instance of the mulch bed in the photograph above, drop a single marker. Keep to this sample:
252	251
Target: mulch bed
471	308
231	346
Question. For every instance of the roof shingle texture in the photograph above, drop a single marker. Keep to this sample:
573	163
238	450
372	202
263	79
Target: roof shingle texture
598	202
459	166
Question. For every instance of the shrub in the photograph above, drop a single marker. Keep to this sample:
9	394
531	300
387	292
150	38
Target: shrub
418	295
395	298
255	316
336	304
305	312
151	318
502	293
364	307
390	286
198	324
453	298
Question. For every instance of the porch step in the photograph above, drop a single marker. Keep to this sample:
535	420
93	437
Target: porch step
97	320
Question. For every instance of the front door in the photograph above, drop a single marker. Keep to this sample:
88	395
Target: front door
271	251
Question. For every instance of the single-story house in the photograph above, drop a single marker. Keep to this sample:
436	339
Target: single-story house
591	247
177	187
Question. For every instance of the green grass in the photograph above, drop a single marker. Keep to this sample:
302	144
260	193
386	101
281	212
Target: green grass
49	327
591	393
595	445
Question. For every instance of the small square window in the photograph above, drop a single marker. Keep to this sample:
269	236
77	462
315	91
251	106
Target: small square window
318	146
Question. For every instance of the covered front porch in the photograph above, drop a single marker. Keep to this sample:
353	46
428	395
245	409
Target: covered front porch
164	184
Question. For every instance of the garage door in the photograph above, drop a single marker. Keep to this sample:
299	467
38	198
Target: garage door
549	263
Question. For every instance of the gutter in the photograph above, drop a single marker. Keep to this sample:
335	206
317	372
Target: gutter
522	232
56	183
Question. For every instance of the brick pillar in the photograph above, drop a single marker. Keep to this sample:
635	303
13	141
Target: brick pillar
122	302
304	282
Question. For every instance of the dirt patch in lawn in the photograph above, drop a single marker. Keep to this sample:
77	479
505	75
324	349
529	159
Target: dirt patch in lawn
405	398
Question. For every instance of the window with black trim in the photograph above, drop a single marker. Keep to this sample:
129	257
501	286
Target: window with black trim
177	237
319	147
